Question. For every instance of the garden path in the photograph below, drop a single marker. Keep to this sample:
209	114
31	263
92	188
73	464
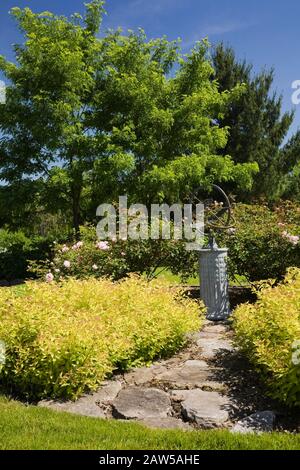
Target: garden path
207	385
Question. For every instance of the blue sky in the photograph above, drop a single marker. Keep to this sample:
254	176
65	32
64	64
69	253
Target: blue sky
265	32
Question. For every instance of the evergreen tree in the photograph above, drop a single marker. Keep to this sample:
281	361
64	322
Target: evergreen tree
256	122
290	161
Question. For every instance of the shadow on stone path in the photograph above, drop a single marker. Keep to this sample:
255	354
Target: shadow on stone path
205	386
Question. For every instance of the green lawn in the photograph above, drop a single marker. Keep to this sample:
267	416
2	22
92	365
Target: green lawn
193	281
33	428
168	276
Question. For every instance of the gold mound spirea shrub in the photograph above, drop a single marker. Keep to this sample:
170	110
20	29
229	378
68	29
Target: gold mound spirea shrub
63	339
269	333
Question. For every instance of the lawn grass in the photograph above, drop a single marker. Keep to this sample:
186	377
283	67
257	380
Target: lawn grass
31	428
168	276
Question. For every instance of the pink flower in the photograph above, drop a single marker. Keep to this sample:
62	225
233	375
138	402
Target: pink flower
49	277
64	249
67	264
95	267
294	239
102	246
77	246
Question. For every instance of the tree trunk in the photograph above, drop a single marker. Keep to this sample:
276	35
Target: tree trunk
76	192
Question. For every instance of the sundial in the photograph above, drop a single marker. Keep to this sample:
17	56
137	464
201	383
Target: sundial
218	214
212	259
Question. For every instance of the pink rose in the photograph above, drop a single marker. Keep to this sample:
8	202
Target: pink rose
64	249
77	246
67	264
102	246
49	277
294	239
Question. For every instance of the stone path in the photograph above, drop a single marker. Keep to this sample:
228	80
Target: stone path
194	389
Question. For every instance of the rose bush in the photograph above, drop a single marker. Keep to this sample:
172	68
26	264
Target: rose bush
116	259
264	242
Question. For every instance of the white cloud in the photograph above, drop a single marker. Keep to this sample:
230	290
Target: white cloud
140	7
215	30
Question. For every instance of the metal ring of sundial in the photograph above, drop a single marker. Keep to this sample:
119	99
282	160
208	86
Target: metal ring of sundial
223	218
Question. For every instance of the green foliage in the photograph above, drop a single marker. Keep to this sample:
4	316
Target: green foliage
269	333
93	18
177	179
37	207
16	250
260	247
63	339
96	117
257	125
291	157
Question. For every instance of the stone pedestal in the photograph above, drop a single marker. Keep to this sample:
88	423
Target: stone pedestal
214	283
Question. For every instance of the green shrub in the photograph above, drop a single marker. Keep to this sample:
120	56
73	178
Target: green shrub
269	333
64	339
288	212
17	250
264	243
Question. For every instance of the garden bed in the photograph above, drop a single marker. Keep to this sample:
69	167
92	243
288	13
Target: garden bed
268	332
63	340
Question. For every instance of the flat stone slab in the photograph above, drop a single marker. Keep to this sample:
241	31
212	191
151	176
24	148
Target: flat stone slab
214	328
207	409
84	407
141	403
88	405
212	347
108	392
260	422
190	374
143	375
166	423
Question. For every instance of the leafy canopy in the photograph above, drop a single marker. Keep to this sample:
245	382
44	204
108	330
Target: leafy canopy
111	115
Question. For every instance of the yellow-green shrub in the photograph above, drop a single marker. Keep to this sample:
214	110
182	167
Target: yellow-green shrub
64	339
269	333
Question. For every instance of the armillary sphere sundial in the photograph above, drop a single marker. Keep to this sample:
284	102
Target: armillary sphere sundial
218	214
214	284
